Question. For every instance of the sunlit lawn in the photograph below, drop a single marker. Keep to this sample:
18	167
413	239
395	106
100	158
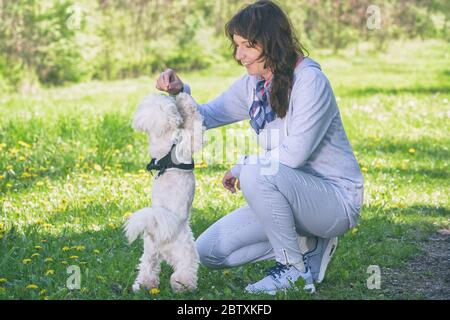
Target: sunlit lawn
71	170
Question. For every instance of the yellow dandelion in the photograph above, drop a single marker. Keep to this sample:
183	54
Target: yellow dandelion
9	167
21	158
73	257
39	183
38	247
412	150
26	261
2	177
50	272
127	214
364	169
79	248
108	168
96	251
354	230
42	292
49	260
64	262
201	165
47	225
14	151
35	255
97	167
3	280
154	291
9	185
84	176
65	248
24	144
32	286
26	175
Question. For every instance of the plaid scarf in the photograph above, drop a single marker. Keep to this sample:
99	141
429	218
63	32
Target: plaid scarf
260	111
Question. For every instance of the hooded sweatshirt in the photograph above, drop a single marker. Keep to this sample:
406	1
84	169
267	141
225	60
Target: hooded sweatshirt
311	136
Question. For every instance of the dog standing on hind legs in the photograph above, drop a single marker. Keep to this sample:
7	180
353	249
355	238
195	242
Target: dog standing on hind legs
175	132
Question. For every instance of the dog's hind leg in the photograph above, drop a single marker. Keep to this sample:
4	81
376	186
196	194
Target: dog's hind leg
149	267
183	257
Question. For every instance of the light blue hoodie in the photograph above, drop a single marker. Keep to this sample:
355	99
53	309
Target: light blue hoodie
311	136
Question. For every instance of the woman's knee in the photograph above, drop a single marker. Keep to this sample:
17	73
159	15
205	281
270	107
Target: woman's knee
209	252
249	178
253	181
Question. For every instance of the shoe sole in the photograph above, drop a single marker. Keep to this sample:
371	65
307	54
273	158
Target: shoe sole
329	252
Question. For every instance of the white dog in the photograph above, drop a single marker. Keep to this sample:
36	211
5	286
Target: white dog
175	131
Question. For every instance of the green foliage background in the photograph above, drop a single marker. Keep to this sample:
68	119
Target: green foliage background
58	41
72	168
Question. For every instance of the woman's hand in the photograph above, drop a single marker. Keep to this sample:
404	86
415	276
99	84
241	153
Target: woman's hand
229	182
168	81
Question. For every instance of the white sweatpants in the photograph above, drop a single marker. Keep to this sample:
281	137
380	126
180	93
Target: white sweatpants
280	207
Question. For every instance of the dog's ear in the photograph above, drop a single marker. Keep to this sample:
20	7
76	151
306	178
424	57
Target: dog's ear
157	114
192	121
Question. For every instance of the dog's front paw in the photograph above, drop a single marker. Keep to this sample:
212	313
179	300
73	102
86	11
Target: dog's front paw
136	287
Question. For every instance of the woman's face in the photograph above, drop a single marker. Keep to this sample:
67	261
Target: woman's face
248	56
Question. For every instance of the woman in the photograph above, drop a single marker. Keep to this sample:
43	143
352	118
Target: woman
316	189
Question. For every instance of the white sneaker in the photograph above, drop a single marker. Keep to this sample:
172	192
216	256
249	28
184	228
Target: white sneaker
281	277
317	259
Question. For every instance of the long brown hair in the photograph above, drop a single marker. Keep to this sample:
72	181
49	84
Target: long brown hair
265	24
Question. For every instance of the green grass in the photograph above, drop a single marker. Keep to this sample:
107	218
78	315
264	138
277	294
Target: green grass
71	170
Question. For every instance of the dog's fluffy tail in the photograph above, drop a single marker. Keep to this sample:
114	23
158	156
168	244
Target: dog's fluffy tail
158	222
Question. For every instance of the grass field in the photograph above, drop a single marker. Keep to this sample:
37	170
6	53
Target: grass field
71	170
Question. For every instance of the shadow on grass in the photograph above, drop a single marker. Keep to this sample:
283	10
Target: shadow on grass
424	148
414	174
384	237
